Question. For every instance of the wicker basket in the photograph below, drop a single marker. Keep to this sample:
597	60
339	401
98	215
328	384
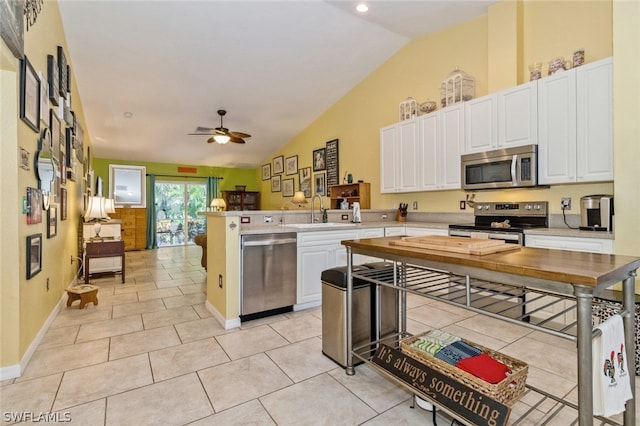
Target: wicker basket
507	392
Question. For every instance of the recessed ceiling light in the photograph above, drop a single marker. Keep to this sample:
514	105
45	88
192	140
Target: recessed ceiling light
128	114
362	8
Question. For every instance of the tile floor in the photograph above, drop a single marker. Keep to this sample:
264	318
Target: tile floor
150	353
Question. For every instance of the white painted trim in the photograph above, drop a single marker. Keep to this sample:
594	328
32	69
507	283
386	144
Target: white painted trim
228	324
16	370
308	305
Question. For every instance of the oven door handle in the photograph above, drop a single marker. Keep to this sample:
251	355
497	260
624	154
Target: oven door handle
514	176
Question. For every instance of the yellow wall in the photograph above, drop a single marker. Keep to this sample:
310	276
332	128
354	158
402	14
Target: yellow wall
417	70
225	300
26	305
626	107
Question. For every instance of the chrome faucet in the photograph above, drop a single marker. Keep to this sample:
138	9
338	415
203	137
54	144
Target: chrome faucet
313	218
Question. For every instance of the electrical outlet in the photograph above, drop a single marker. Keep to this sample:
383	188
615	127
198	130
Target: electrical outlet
220	280
463	205
47	283
383	216
565	203
415	205
72	260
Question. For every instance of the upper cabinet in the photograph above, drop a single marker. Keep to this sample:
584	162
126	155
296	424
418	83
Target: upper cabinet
575	125
502	120
399	157
423	154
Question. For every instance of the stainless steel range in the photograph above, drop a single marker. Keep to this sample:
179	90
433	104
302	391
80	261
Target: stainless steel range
505	221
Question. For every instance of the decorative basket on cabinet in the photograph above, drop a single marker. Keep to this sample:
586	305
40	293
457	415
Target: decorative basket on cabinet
457	86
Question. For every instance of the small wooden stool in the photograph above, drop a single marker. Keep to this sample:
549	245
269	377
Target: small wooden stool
84	293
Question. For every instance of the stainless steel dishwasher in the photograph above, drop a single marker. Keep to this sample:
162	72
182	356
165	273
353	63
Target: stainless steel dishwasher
268	274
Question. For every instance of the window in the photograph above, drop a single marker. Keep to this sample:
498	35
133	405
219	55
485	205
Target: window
127	185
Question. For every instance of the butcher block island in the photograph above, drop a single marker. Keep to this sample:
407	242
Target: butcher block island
444	269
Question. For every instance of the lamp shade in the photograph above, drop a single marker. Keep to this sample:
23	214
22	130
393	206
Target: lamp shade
218	204
109	205
95	209
299	198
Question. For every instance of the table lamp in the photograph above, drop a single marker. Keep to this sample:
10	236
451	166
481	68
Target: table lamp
95	212
109	206
218	204
298	198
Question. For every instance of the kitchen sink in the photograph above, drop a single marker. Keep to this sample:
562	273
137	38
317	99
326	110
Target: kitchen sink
317	225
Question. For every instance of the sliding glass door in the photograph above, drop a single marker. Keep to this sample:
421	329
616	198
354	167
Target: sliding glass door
177	207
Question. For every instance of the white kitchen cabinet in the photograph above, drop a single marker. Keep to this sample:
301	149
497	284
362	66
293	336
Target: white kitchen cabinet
593	245
359	259
110	230
399	157
394	231
414	231
518	115
575	125
548	306
389	180
481	124
595	121
441	140
317	251
505	119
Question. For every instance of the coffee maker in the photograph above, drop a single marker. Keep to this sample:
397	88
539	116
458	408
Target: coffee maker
596	213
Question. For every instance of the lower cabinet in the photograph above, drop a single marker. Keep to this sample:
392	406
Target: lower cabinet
563	311
322	250
593	245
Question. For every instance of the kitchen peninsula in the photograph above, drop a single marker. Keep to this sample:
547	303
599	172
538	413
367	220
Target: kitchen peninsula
574	274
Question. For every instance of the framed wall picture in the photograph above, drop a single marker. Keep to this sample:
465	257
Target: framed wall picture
319	183
52	220
63	204
319	160
291	165
12	26
62	72
287	187
278	165
53	79
332	163
34	206
29	95
275	183
304	175
25	159
34	255
44	100
266	171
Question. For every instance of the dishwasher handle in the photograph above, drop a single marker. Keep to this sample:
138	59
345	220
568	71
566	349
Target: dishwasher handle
273	242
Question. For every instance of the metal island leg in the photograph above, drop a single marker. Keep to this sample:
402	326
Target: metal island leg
349	369
584	297
628	300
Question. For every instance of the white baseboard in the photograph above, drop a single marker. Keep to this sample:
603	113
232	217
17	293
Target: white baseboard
228	324
308	305
13	371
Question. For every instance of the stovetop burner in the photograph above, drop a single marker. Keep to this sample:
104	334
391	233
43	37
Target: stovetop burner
508	217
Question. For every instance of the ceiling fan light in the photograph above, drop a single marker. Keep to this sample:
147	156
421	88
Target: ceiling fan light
221	139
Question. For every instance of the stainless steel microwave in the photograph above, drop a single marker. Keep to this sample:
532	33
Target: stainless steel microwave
501	168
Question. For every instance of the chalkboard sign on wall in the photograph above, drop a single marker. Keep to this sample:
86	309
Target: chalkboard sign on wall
333	169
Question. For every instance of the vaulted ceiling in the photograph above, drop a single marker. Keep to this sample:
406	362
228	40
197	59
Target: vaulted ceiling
150	72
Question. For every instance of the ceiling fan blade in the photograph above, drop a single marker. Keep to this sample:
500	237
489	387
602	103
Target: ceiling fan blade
239	135
201	129
236	139
211	140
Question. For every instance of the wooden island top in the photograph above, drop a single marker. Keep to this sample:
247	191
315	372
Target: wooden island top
562	266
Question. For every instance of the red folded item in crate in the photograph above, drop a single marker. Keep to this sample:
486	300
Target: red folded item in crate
484	367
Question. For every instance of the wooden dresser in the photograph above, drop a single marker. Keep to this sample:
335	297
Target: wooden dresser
134	227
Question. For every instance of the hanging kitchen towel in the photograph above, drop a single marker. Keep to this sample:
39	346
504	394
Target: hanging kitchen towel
611	387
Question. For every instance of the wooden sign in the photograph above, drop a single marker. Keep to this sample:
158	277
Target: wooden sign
471	405
331	161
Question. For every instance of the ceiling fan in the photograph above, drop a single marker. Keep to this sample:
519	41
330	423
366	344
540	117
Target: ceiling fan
221	134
